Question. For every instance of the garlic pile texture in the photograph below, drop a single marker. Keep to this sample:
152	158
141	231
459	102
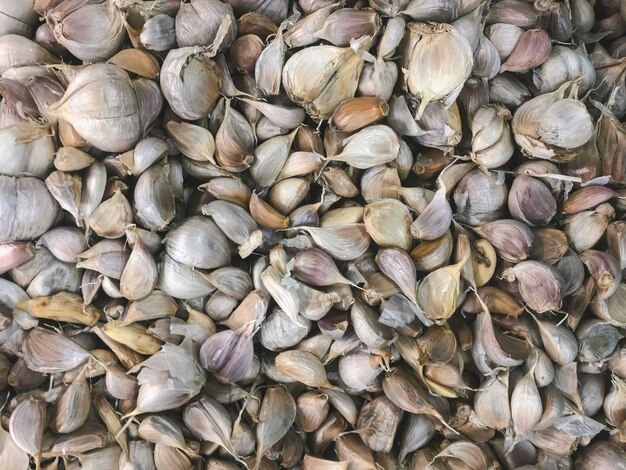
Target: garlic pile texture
263	234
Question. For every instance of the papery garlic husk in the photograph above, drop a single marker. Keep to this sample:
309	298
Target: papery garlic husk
531	201
158	33
72	159
190	82
552	127
67	189
512	239
321	77
388	222
432	45
114	126
465	453
539	285
198	22
109	219
610	139
96	43
479	198
440	126
378	423
565	65
18	195
586	228
378	79
492	145
605	269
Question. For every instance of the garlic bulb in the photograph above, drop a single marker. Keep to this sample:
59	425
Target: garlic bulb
101	104
552	127
100	41
439	62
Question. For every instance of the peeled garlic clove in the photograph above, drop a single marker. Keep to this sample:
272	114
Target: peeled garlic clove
605	270
511	239
433	45
388	222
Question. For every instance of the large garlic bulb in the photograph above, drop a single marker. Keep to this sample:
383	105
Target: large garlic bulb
101	104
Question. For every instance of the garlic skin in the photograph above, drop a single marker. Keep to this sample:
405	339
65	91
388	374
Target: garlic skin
101	104
18	18
440	48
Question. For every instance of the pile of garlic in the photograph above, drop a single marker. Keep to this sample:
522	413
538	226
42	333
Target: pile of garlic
312	234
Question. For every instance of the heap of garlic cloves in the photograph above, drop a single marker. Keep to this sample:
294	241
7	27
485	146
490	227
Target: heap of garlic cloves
311	234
